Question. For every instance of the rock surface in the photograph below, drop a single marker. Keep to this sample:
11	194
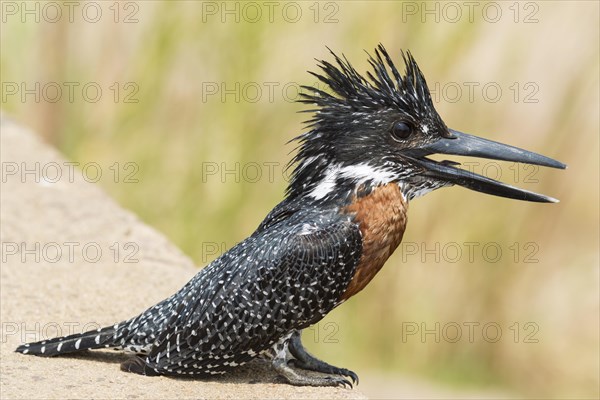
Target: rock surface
73	260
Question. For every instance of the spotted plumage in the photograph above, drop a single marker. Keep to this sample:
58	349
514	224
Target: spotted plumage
362	159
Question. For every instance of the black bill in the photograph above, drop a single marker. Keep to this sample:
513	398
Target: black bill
462	144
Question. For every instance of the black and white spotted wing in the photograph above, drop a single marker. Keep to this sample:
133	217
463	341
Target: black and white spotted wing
287	278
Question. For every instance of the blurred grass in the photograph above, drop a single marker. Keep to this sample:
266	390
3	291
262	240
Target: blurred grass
175	131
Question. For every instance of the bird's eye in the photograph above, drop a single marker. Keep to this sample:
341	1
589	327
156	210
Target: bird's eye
401	130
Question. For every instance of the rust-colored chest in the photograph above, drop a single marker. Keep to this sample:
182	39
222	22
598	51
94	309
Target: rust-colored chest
381	216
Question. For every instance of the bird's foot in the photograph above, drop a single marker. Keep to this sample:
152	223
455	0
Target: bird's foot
301	377
324	368
305	360
291	360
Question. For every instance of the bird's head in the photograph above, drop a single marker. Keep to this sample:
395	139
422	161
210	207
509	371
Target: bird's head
379	129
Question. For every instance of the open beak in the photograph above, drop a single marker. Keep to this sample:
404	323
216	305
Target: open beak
462	144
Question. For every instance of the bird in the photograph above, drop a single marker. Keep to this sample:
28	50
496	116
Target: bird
363	157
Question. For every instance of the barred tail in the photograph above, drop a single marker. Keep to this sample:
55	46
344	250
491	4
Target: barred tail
96	339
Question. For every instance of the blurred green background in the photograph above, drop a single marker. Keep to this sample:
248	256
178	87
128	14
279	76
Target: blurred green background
196	106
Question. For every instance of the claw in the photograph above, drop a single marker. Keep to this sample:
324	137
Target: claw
339	381
352	375
343	371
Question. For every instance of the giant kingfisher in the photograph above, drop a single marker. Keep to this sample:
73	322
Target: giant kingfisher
364	157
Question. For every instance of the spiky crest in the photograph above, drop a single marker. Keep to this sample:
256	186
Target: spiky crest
353	96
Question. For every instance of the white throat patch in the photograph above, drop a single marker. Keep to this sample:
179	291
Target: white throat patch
359	173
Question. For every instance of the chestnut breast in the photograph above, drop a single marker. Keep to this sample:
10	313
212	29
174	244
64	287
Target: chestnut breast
381	216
